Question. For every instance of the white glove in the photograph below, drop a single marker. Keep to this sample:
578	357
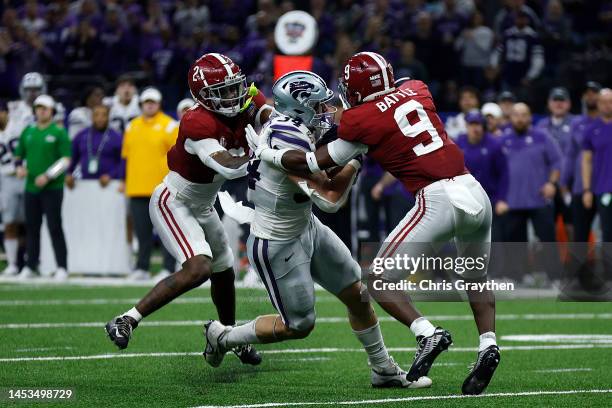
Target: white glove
236	211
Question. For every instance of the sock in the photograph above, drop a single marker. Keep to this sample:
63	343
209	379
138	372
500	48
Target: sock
134	314
487	339
422	327
11	246
241	335
374	345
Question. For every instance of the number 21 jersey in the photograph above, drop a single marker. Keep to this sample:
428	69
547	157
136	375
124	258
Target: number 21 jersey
405	136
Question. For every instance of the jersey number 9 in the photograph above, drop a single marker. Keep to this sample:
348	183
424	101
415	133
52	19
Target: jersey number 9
424	125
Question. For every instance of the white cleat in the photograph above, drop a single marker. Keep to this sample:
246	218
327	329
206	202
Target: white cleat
393	376
139	275
61	275
214	351
26	273
10	270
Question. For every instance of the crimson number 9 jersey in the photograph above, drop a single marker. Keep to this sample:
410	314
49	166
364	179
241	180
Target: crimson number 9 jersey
405	136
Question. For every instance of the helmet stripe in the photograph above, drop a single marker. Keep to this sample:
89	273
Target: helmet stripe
223	62
378	59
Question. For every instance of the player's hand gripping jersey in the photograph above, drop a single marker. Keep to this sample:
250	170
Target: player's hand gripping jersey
404	135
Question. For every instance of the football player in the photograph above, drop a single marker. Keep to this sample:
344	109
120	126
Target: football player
397	125
285	236
181	207
20	116
124	104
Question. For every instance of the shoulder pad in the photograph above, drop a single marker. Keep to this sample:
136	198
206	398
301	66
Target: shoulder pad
287	133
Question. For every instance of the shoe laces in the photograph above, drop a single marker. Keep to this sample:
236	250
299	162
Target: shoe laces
124	326
244	349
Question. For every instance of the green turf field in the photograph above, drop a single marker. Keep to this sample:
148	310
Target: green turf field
53	337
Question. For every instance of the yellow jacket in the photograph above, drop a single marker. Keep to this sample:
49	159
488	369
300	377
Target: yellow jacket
145	145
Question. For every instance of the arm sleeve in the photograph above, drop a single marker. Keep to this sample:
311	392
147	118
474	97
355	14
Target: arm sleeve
342	151
205	148
537	62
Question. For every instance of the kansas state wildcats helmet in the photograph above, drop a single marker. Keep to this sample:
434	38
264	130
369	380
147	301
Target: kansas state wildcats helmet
303	95
366	76
217	83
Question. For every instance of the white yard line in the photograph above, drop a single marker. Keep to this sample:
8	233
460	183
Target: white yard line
322	350
408	399
331	320
562	370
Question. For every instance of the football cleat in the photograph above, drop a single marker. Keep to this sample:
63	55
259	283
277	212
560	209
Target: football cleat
214	351
120	330
482	372
394	377
427	350
247	354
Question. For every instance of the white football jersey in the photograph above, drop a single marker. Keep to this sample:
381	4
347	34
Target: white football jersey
282	210
20	117
79	119
120	114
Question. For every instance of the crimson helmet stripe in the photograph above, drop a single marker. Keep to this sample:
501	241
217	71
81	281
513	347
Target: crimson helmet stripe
224	62
383	66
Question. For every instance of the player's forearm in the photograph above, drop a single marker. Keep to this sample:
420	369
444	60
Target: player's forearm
229	168
386	180
554	176
333	188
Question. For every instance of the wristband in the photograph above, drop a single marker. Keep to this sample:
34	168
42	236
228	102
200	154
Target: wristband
273	156
355	163
311	160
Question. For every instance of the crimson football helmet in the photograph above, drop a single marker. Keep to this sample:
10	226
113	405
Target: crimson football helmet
217	83
366	76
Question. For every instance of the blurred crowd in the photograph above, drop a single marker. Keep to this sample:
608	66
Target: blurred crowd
111	69
517	45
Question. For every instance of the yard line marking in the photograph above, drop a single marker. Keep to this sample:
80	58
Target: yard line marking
24	350
297	351
562	370
407	399
126	301
559	338
170	323
304	359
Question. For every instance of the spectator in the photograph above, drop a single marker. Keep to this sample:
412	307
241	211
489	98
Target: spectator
468	101
506	16
81	48
556	35
96	151
408	66
45	148
423	39
571	177
190	16
32	20
597	166
447	27
475	45
124	104
534	164
112	43
51	41
183	106
487	163
558	124
506	101
494	118
80	117
146	142
519	55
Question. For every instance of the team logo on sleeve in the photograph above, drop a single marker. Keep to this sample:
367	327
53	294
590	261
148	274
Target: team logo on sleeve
300	90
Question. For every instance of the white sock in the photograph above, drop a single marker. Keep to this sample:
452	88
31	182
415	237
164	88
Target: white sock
422	327
134	314
374	345
241	335
487	339
11	246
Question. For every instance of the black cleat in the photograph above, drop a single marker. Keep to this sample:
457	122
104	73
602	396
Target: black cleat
120	329
482	372
247	354
428	349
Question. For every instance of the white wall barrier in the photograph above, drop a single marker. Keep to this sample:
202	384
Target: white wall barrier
94	220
